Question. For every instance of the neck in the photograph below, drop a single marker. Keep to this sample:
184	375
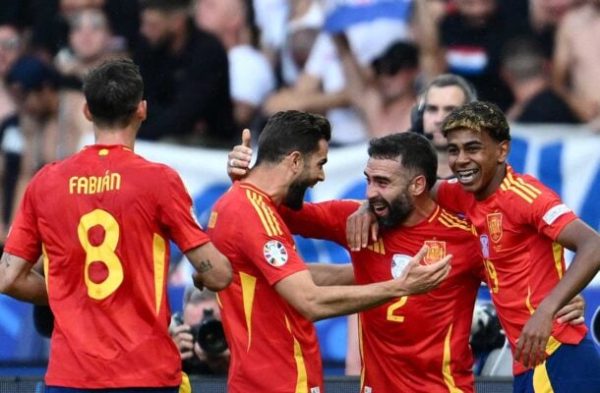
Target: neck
424	207
494	184
233	38
443	171
271	180
179	40
525	90
120	136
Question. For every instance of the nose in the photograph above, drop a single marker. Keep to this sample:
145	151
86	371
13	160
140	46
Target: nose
371	191
321	176
462	157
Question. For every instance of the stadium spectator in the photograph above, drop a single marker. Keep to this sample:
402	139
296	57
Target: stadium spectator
199	306
442	95
90	43
321	85
251	77
386	101
525	71
10	50
523	227
268	309
35	87
102	220
576	59
544	18
472	37
187	77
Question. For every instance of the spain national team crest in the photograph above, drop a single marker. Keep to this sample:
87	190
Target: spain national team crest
275	253
494	221
436	250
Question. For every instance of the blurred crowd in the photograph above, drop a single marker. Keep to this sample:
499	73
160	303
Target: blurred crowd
213	67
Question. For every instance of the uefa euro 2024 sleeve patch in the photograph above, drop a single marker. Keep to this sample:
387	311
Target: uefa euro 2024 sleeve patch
275	253
399	263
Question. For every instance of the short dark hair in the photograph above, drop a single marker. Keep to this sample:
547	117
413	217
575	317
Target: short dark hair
113	91
479	116
416	153
398	56
289	131
32	74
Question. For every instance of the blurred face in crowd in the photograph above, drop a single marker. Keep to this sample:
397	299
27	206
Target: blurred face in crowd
156	27
394	86
10	48
90	35
477	12
311	174
439	102
193	312
218	16
388	191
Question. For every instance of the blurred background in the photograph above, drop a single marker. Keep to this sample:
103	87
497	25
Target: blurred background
213	67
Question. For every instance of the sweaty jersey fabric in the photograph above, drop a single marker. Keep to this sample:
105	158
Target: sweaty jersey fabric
517	228
414	343
102	219
273	347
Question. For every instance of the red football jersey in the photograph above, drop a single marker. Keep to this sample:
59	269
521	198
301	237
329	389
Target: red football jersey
517	228
273	347
415	343
102	219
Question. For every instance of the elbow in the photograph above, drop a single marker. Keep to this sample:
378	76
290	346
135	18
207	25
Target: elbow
310	309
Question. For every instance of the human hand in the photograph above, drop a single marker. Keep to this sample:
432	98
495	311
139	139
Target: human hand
531	345
184	341
360	226
417	278
238	159
573	312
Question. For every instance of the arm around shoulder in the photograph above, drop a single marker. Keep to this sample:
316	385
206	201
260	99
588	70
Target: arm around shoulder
18	280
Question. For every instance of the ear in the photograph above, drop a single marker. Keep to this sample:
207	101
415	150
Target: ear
87	113
418	185
296	161
142	110
503	150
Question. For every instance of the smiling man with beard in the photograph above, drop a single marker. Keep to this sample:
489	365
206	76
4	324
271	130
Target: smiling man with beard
268	310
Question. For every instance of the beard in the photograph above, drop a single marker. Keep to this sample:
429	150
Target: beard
398	210
295	195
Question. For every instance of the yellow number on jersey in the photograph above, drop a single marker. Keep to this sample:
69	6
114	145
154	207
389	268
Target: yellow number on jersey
103	252
489	266
393	307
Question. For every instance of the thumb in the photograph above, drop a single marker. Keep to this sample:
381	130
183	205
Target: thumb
246	137
421	254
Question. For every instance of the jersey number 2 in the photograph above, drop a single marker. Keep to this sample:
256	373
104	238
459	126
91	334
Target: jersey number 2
103	252
393	307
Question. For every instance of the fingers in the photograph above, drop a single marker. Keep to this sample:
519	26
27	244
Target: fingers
374	232
420	255
246	138
531	349
570	314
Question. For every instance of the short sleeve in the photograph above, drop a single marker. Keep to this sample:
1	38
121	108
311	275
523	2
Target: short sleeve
176	214
266	245
547	213
24	239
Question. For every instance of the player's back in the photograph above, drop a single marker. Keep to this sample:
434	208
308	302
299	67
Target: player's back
100	216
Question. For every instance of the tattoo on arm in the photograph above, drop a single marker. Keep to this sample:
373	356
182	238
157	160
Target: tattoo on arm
205	266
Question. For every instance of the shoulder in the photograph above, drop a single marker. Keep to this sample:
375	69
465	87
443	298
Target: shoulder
453	223
522	188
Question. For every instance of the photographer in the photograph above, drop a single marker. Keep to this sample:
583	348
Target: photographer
198	334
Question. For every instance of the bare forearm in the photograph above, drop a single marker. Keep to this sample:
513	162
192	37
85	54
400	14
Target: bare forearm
325	274
19	281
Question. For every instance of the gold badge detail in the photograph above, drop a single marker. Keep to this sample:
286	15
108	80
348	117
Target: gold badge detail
494	221
436	250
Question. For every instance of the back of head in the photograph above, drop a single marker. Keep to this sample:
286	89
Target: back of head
416	152
523	59
479	116
290	131
113	91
